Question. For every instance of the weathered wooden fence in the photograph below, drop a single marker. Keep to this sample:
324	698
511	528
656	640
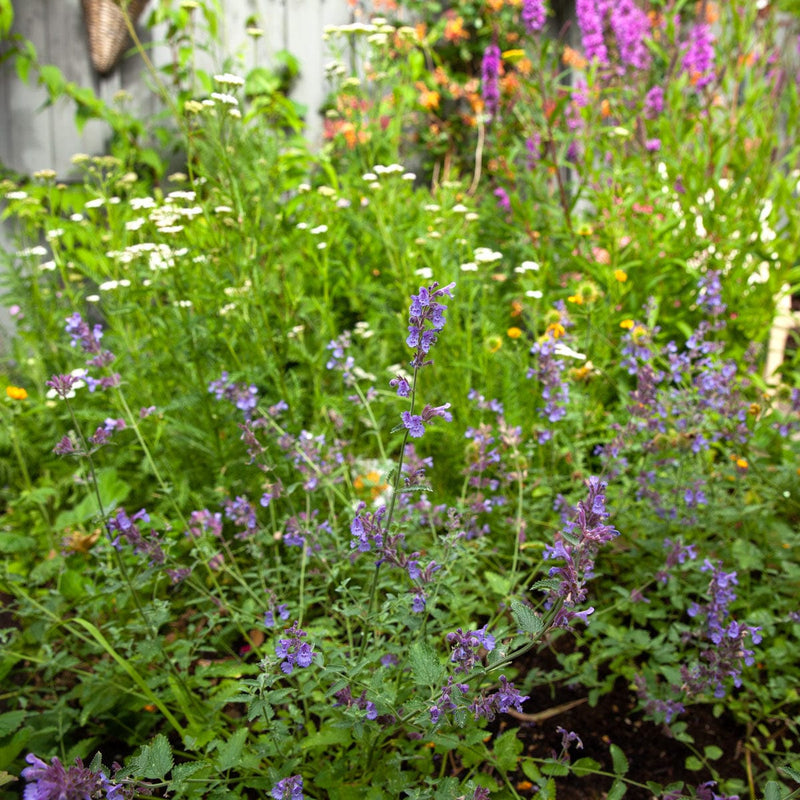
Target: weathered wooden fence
34	136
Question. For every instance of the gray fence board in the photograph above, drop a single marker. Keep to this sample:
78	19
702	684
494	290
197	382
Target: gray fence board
34	136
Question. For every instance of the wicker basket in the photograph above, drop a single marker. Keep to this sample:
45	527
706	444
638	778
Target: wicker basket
108	34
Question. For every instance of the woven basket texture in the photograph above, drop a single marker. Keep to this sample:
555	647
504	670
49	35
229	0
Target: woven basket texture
108	34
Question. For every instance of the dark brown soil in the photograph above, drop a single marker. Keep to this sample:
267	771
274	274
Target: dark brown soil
653	754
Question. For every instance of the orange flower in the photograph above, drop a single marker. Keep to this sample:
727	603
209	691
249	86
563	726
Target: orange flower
605	109
454	30
494	5
514	333
428	99
575	298
620	275
516	308
572	58
16	393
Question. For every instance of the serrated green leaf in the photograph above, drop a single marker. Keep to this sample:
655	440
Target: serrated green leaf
507	748
10	721
425	666
555	769
547	584
531	769
182	772
619	761
693	763
617	790
155	759
527	619
327	736
499	584
585	766
791	772
772	791
229	753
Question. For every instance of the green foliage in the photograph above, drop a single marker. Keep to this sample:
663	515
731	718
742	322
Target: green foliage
610	319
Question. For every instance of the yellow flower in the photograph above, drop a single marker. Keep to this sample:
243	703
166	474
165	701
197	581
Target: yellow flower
575	298
16	393
514	333
493	343
626	324
742	463
620	275
555	330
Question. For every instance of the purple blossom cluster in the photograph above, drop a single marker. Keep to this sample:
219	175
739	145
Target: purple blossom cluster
127	528
698	56
241	512
288	788
293	650
534	15
467	647
576	546
728	652
344	697
549	372
244	397
490	79
53	781
369	535
88	339
629	24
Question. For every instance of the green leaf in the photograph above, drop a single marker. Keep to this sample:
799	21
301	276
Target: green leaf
425	666
555	769
499	584
712	752
182	772
229	753
327	736
527	619
620	763
155	759
772	791
791	772
585	766
531	769
617	790
16	543
6	17
10	721
693	763
507	749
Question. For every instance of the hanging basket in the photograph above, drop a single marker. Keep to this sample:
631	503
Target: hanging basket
108	33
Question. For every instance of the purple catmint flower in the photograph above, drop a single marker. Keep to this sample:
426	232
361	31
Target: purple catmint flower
127	528
275	613
63	385
466	647
549	372
445	702
416	422
576	547
89	340
698	56
288	788
500	702
490	79
244	397
241	512
55	782
293	650
425	320
204	521
590	21
367	529
534	15
401	385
